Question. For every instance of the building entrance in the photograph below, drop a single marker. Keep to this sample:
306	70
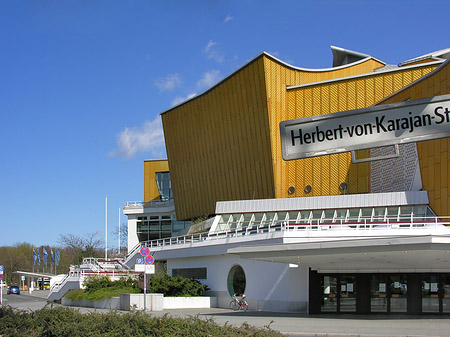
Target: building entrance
414	293
338	293
388	293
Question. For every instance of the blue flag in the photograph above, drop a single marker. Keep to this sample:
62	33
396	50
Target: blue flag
38	258
57	257
45	257
34	257
52	257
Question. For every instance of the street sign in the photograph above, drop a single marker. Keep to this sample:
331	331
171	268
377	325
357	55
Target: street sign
375	126
1	276
144	251
149	260
22	278
139	261
1	270
139	268
144	268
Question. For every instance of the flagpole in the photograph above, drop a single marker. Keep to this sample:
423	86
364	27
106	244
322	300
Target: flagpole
119	235
106	227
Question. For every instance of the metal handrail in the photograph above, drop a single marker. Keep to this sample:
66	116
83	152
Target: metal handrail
292	225
147	203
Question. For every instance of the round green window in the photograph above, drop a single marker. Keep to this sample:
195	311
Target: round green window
236	281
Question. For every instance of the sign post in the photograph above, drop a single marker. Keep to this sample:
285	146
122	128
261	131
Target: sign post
1	284
145	252
367	128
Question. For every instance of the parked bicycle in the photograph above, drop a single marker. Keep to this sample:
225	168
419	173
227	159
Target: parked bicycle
238	304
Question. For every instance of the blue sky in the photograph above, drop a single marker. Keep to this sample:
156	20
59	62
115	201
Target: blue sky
82	84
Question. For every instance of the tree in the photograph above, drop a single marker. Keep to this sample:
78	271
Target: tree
78	247
14	258
123	237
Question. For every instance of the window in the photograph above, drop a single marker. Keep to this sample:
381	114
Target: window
195	273
236	281
164	186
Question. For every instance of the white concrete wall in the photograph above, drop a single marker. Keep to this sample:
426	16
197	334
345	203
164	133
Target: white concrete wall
269	286
132	232
189	302
153	302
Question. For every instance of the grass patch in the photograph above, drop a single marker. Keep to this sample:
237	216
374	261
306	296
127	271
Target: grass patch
61	321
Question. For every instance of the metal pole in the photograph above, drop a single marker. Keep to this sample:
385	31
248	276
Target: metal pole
119	234
106	227
145	291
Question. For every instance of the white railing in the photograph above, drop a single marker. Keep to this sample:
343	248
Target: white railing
292	225
137	204
94	267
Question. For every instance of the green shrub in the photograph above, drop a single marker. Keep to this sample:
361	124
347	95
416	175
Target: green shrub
101	287
176	286
61	321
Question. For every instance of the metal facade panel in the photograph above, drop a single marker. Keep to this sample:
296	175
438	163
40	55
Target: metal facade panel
323	202
357	92
218	144
434	158
151	192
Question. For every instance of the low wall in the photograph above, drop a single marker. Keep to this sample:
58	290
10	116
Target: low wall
112	303
189	302
153	302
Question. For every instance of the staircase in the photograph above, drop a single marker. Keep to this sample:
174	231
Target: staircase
114	268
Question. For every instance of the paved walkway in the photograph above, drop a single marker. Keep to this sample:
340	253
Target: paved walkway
326	325
314	325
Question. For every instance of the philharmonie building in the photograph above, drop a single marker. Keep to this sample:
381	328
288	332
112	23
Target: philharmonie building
309	190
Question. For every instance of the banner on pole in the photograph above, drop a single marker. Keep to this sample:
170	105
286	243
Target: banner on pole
57	255
45	257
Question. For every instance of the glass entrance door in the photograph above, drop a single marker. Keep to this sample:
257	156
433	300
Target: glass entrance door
446	293
398	290
329	294
347	295
430	293
379	293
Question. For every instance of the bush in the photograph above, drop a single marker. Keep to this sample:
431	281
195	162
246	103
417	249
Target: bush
102	281
176	286
100	287
62	321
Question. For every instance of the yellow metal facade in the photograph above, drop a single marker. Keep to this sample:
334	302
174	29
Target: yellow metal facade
325	174
218	144
434	156
151	167
225	143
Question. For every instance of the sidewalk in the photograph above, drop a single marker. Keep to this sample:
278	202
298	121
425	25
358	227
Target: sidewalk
36	293
312	325
326	325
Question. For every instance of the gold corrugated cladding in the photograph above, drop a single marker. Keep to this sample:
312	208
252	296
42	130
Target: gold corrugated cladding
326	173
218	144
434	157
151	167
225	144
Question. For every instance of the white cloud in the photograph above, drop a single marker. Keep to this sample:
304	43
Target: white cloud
168	83
209	46
209	79
274	53
177	100
212	52
148	137
227	18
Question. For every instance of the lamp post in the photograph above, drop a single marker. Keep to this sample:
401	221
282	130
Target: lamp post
106	227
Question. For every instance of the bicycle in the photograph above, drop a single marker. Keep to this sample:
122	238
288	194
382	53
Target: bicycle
239	304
